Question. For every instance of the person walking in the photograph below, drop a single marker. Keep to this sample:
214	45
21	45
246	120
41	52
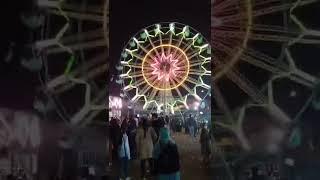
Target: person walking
124	152
114	136
167	161
132	131
205	145
192	126
145	138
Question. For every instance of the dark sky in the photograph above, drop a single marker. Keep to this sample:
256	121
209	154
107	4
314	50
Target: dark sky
127	17
17	85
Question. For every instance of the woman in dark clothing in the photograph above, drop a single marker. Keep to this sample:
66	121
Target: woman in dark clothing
132	131
205	145
115	134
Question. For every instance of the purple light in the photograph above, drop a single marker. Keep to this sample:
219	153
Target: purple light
165	67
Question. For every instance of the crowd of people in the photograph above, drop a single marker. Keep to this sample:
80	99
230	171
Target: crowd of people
148	140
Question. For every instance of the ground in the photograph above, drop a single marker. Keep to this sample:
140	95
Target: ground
190	159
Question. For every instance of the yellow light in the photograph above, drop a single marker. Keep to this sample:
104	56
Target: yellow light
161	46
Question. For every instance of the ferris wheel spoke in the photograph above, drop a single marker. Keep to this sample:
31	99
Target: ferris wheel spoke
273	28
186	88
200	73
135	75
160	39
82	36
170	42
79	46
266	11
263	61
266	37
192	80
178	45
154	81
153	46
79	15
223	48
90	75
196	62
145	50
177	90
279	38
153	93
135	55
179	93
223	5
222	103
193	54
79	8
139	82
196	71
138	66
184	50
62	79
145	89
265	2
246	86
303	78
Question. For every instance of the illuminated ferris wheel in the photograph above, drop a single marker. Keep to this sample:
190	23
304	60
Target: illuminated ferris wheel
260	36
165	66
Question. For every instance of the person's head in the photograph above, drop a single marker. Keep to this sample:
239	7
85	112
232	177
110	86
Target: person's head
190	115
145	122
164	135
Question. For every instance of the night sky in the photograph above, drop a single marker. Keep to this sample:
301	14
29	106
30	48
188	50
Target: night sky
17	85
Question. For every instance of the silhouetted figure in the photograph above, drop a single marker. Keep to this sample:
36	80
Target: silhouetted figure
205	145
124	151
131	132
167	161
114	137
145	138
192	124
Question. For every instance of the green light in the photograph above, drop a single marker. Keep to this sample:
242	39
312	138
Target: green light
124	55
132	44
208	50
187	31
69	65
200	40
143	35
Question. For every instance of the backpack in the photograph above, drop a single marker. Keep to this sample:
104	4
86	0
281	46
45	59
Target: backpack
168	161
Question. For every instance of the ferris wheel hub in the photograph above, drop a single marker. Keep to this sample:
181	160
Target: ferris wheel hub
165	67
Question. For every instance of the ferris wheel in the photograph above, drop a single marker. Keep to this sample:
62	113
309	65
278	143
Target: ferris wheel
259	36
73	48
165	66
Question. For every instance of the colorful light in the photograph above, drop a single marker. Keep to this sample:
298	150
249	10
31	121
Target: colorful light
165	67
166	60
176	61
115	102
